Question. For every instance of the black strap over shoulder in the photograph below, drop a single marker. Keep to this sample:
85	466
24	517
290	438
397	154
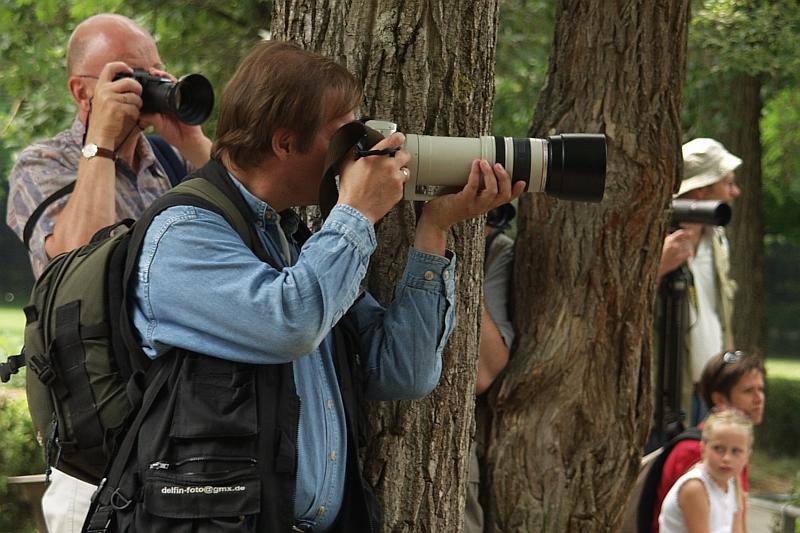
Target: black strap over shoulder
644	513
27	232
210	190
173	166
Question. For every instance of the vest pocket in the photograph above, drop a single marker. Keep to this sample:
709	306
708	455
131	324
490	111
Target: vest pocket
215	405
200	501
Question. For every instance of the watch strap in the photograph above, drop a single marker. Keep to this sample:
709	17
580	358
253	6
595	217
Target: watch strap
105	152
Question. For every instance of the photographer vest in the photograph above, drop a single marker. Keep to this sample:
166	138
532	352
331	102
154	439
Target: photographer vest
727	286
214	444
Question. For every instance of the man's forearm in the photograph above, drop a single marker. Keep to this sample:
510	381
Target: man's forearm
90	207
197	151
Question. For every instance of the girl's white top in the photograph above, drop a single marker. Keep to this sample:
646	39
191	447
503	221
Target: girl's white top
723	505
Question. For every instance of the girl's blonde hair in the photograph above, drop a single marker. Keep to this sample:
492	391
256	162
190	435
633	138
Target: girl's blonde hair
725	417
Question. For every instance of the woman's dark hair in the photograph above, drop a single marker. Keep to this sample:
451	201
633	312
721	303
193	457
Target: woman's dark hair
723	372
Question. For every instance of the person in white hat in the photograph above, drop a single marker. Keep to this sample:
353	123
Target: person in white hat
708	174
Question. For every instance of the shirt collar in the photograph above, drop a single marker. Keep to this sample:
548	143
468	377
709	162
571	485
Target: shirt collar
265	214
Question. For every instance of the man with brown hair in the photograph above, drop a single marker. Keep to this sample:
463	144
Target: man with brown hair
274	344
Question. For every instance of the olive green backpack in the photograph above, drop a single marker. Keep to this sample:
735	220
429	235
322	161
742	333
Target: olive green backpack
86	370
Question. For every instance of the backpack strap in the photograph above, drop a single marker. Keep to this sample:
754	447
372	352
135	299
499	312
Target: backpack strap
210	189
173	166
27	231
644	513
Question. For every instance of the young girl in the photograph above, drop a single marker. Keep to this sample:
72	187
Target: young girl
706	499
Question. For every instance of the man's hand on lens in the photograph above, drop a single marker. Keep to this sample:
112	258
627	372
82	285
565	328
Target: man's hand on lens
473	200
374	184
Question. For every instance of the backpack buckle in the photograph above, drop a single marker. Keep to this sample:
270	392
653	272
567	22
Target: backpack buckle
11	366
43	370
100	522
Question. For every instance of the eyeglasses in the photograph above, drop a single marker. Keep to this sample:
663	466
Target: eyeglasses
732	357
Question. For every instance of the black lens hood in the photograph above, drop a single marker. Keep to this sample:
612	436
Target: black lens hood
192	99
576	166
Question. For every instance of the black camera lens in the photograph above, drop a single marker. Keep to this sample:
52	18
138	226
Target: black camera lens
709	212
191	98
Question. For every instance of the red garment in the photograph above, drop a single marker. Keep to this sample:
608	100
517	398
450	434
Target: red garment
684	455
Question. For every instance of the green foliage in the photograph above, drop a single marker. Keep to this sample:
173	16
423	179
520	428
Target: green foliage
747	36
19	455
525	32
781	165
779	434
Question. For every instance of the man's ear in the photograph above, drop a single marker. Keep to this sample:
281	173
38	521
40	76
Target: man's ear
283	143
80	92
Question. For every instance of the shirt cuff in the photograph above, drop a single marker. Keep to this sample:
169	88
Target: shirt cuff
353	226
430	272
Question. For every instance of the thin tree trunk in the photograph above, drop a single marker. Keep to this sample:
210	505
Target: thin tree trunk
746	230
573	409
429	66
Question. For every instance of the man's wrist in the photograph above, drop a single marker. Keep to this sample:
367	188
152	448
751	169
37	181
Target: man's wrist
91	151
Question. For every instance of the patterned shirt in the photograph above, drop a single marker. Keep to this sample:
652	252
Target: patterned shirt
44	167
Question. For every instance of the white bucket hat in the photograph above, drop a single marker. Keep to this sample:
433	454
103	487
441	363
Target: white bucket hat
705	162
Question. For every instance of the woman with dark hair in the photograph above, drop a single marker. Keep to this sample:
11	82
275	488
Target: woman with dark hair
729	380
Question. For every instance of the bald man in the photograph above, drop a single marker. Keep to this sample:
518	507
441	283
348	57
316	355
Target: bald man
117	173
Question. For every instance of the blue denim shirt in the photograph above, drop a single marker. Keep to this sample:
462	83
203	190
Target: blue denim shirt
198	287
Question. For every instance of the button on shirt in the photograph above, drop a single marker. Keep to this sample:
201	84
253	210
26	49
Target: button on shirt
46	166
201	289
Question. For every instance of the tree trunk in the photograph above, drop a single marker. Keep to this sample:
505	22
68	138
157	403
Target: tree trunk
429	66
746	230
573	408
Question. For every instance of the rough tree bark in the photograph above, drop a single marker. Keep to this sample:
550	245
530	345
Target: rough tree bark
429	66
746	230
572	411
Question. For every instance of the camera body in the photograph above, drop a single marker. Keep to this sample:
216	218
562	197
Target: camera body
568	166
190	99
